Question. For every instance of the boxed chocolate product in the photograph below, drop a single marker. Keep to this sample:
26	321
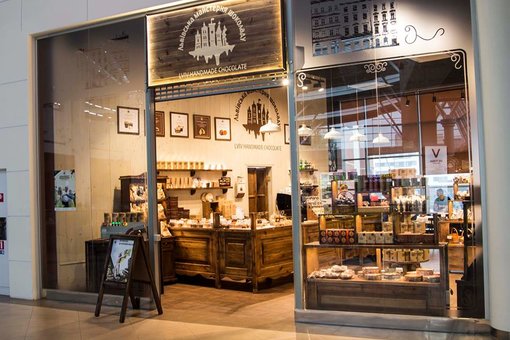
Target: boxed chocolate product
388	237
337	236
370	237
387	226
362	237
379	237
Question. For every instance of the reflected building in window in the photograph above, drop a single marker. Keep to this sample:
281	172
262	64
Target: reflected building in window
341	26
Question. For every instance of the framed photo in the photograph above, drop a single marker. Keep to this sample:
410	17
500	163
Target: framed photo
179	124
128	120
305	140
159	123
201	127
222	129
286	133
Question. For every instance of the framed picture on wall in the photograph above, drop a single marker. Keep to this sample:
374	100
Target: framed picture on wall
201	127
222	129
179	124
305	140
159	123
128	120
286	133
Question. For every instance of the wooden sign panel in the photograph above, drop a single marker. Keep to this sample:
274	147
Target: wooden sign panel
226	38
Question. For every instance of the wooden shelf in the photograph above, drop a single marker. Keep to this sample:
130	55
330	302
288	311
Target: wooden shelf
316	244
382	209
376	282
194	171
194	190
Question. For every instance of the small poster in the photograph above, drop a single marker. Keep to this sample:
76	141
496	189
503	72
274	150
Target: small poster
179	125
201	127
128	120
159	122
436	162
2	247
65	190
120	260
222	129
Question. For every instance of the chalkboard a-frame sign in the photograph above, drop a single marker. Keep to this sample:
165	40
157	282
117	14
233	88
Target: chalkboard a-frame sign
126	262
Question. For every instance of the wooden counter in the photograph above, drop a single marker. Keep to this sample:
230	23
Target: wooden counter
236	254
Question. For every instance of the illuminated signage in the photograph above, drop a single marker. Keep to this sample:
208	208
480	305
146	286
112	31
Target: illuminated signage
226	38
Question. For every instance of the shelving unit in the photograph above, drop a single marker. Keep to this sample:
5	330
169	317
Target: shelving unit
194	171
361	295
194	190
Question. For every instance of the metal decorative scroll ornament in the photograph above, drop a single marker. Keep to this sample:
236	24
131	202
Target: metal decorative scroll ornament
376	67
457	59
413	34
301	78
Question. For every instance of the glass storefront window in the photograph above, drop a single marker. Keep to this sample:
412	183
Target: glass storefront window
91	103
390	143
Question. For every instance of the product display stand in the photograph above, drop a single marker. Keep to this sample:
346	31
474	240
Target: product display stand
127	262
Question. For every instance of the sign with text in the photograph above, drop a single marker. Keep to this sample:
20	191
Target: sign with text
225	38
436	160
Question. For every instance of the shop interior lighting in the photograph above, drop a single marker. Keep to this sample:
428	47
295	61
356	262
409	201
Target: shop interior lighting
285	81
304	131
380	139
357	136
333	134
462	95
269	127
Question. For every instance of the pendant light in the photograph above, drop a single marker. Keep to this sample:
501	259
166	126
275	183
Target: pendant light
333	134
357	136
304	131
380	139
269	127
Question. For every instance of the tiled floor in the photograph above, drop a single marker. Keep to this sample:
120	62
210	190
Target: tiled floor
190	312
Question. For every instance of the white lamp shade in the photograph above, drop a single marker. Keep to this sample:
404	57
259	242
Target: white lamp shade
304	131
269	127
381	139
333	134
357	137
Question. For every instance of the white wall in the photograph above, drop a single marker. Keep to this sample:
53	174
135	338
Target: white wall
18	21
228	153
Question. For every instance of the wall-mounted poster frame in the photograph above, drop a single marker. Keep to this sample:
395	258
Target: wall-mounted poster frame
222	129
159	122
128	120
201	127
286	133
179	124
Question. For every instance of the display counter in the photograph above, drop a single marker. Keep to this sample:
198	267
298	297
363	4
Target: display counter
246	255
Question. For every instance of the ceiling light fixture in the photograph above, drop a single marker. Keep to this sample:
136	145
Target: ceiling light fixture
380	139
333	134
304	131
269	127
357	136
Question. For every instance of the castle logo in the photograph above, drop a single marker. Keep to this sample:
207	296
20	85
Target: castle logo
211	41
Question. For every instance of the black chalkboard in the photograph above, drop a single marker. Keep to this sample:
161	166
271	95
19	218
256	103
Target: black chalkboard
126	262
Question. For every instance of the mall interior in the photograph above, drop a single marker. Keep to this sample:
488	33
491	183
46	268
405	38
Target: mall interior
319	168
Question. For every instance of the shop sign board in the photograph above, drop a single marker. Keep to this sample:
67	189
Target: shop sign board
222	39
436	160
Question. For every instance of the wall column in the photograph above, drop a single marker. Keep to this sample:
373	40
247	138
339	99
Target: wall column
491	32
